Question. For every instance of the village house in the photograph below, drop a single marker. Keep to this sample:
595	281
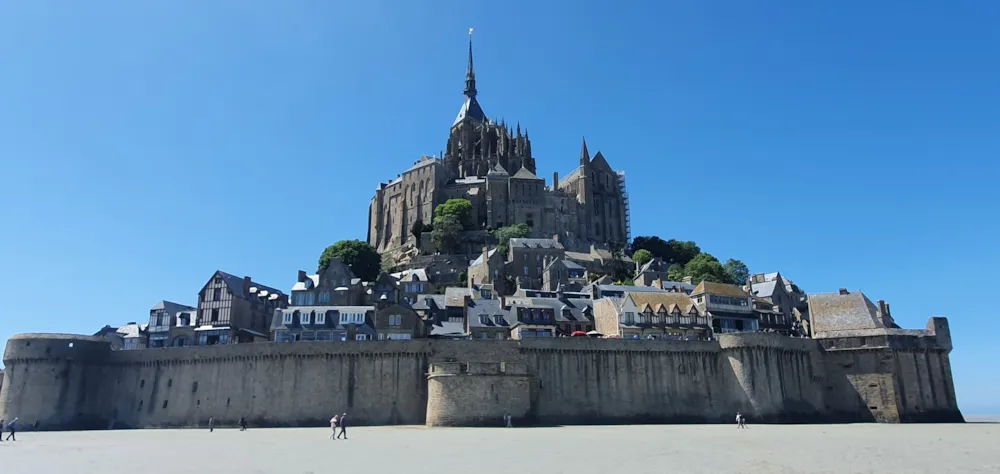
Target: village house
729	306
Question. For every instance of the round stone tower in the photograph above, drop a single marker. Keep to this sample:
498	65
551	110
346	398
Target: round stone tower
772	376
55	380
477	393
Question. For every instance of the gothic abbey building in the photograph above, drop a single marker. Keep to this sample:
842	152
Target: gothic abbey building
491	165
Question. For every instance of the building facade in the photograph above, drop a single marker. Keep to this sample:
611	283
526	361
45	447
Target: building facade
162	317
230	310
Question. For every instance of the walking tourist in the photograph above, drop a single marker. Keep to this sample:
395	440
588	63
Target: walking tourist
739	418
343	426
243	423
507	421
12	428
211	424
743	421
1	429
334	424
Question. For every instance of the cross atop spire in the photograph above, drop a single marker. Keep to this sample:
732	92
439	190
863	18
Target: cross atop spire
470	73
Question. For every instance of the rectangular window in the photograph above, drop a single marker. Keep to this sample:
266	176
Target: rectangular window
525	271
308	335
286	318
320	318
322	335
304	318
324	297
217	294
215	315
381	336
361	337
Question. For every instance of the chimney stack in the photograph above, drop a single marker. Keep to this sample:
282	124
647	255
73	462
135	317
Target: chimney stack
302	276
844	291
247	283
555	180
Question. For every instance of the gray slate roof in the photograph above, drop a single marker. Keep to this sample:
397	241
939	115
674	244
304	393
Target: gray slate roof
448	329
490	309
837	312
479	260
471	109
170	307
524	173
235	285
429	302
764	290
535	243
576	306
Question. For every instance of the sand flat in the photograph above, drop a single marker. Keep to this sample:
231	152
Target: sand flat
861	448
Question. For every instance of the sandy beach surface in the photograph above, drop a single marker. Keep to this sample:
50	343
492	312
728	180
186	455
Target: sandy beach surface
862	448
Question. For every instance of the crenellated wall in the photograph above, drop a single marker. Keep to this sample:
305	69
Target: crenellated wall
770	378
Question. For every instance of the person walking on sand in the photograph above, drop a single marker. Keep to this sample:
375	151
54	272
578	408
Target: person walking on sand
343	426
334	423
1	429
211	424
12	428
243	423
739	418
743	421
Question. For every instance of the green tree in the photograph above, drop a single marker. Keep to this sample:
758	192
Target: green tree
389	265
674	251
461	209
705	267
681	252
364	261
504	234
642	256
737	271
620	269
447	233
656	246
675	272
417	230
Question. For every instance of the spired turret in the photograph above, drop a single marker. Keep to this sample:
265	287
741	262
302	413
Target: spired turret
476	144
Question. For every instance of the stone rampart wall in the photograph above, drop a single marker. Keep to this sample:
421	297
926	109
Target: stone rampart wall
443	382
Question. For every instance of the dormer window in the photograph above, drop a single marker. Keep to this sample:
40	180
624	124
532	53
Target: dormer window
286	318
497	319
320	318
484	319
304	318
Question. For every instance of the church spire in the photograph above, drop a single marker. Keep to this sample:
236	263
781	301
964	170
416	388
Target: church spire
470	74
584	154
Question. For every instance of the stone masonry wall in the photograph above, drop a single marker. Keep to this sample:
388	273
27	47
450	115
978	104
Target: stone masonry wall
76	382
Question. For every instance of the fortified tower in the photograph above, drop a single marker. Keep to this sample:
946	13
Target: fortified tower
54	379
477	393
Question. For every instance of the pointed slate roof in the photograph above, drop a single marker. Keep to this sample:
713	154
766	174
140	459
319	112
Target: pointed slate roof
470	109
523	173
498	170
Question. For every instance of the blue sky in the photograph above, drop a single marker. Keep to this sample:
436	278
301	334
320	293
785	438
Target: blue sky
144	145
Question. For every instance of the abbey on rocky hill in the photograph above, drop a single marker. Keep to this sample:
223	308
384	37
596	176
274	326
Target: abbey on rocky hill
490	164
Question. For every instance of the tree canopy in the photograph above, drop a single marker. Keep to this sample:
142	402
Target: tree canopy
705	267
461	209
642	256
675	272
676	251
737	271
504	234
447	232
364	261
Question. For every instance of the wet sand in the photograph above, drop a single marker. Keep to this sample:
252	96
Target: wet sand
862	448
